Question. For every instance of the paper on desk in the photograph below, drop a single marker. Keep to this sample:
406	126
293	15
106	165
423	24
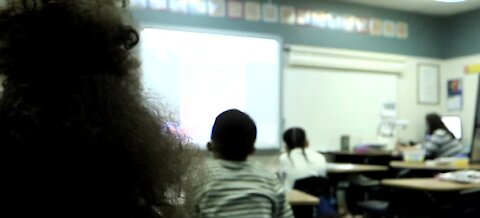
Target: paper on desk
464	176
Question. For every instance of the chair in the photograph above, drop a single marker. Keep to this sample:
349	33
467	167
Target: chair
411	203
467	204
316	186
374	208
366	196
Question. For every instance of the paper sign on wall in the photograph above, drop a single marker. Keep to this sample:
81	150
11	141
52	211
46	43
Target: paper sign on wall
428	84
455	94
472	68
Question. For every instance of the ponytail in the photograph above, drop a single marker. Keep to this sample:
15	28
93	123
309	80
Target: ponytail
295	138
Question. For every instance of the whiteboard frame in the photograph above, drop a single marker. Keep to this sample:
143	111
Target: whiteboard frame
281	119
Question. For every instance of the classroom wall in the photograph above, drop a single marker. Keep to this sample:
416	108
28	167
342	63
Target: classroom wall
424	31
408	106
455	69
432	40
462	47
461	35
313	83
409	109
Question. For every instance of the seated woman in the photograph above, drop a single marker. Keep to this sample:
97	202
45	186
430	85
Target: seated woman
440	141
300	161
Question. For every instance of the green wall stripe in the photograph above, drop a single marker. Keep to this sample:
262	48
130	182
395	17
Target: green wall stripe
429	36
461	35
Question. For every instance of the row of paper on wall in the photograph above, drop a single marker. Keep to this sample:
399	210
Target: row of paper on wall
272	13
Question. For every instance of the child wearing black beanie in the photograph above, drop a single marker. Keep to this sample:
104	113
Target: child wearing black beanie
233	186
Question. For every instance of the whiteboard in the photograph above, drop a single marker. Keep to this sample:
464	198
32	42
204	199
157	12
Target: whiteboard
332	103
199	75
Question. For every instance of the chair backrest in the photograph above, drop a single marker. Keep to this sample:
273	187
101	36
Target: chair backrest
317	186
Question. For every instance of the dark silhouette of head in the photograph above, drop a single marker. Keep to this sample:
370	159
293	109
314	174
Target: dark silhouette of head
434	122
233	136
295	138
77	137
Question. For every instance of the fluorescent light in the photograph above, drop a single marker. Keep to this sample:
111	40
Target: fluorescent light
450	1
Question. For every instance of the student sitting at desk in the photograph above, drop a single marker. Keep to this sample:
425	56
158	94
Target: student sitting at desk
233	187
300	161
440	141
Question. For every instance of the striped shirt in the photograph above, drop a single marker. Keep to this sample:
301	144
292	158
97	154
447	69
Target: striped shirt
241	189
442	144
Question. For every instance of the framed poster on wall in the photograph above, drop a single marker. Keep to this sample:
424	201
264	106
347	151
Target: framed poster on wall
428	83
252	11
217	8
235	9
287	15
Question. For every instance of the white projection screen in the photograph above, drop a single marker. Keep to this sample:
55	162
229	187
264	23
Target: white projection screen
200	74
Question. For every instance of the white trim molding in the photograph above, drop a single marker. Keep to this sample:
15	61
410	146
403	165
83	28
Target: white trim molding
314	57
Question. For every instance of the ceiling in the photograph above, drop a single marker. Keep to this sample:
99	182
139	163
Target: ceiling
430	7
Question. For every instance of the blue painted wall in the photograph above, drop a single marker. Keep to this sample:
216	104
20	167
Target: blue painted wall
425	32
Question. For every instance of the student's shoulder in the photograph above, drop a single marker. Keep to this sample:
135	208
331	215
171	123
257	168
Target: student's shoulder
214	168
211	164
283	157
441	135
260	171
440	132
313	152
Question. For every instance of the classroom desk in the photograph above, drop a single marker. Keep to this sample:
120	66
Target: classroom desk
343	176
423	166
362	154
347	168
299	198
303	204
430	197
429	184
372	157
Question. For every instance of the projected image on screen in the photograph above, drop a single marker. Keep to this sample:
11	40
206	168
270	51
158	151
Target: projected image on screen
200	75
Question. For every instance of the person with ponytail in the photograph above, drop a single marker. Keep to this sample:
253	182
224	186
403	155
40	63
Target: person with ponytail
299	161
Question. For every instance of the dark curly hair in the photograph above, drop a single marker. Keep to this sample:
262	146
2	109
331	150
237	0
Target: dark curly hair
78	138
